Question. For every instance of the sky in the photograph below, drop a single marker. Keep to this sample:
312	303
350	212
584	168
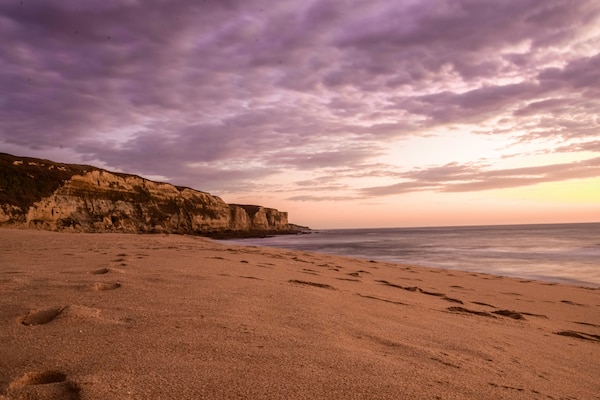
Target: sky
345	113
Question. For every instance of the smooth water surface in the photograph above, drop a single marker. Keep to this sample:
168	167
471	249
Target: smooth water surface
568	253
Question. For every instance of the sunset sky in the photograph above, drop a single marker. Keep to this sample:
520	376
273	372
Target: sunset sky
345	113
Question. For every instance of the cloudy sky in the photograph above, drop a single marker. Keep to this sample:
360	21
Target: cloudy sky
345	113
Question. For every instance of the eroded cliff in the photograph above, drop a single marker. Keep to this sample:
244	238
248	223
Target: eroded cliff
47	195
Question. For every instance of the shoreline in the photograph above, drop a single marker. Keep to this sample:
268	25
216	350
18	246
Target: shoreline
562	253
540	279
92	316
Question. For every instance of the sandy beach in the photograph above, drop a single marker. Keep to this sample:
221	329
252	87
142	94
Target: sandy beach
115	316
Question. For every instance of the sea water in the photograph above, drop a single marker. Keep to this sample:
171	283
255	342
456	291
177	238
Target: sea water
567	253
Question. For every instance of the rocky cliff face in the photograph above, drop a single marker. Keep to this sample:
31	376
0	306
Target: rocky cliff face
46	195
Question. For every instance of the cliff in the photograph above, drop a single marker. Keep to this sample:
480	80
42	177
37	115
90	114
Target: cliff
47	195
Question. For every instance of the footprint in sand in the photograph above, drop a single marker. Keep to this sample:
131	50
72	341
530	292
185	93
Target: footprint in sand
419	290
315	284
483	304
503	313
101	286
349	279
572	303
452	300
100	271
509	313
468	311
587	324
380	299
301	260
44	385
579	335
41	317
309	271
121	259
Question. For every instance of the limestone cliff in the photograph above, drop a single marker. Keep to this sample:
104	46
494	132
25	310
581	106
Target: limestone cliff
47	195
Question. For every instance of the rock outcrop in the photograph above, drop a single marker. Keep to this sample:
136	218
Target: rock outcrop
43	194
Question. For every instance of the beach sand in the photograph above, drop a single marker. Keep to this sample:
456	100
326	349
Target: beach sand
115	316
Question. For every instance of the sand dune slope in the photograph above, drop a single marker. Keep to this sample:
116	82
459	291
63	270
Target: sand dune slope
112	316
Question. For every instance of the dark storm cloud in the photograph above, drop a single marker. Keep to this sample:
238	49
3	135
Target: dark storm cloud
191	90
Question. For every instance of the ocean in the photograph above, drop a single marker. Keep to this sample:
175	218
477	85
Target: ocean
565	253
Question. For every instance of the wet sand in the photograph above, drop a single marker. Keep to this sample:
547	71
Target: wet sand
114	316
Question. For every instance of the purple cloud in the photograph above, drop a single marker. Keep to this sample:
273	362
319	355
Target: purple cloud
472	178
191	90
